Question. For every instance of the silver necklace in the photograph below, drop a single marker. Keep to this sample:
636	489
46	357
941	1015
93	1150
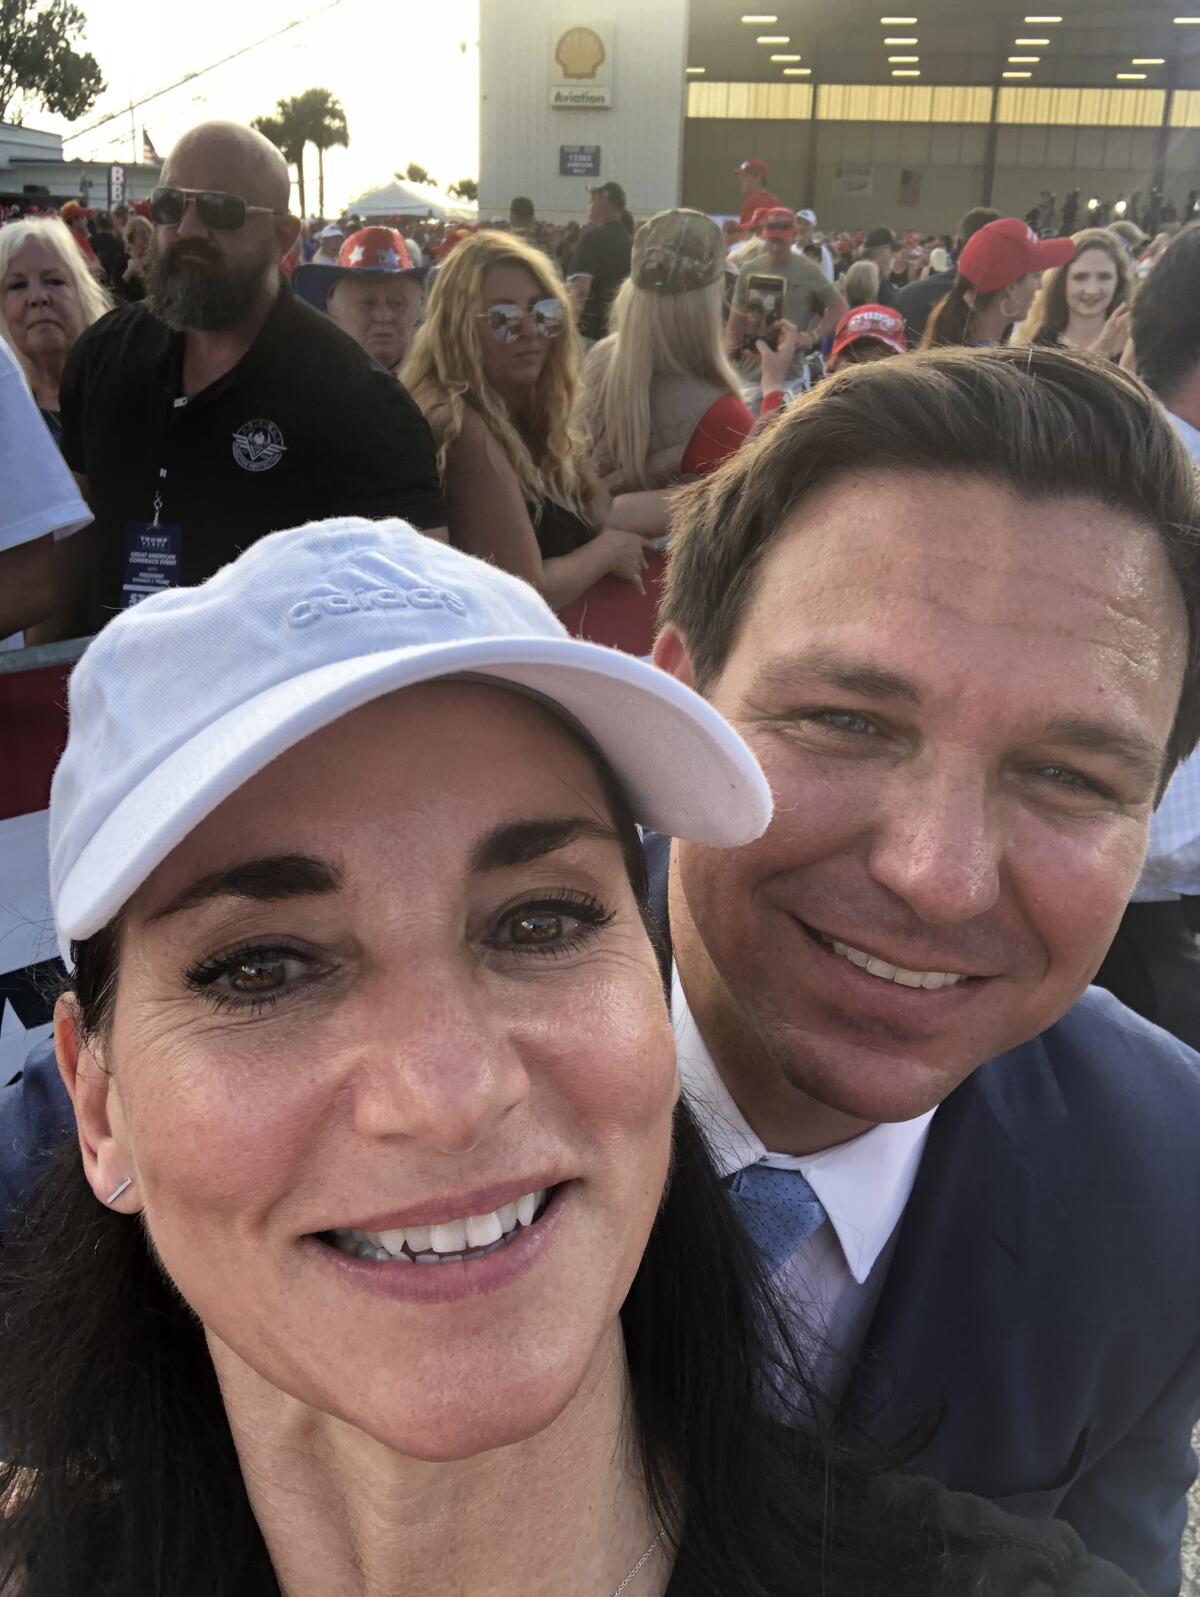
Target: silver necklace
639	1566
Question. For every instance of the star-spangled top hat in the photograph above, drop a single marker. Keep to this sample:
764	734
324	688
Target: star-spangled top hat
371	249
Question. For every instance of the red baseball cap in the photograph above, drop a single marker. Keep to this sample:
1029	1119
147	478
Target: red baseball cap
870	321
72	210
1003	251
753	168
776	220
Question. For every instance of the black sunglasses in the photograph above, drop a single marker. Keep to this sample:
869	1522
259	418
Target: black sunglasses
223	213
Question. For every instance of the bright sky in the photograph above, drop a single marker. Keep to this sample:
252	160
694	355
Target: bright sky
406	72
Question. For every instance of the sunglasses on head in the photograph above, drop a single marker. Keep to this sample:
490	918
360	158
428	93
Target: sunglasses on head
549	319
223	213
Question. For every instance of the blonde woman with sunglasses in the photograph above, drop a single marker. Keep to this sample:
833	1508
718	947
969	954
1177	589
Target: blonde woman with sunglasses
495	369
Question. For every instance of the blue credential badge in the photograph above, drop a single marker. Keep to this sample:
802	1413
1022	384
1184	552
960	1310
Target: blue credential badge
152	553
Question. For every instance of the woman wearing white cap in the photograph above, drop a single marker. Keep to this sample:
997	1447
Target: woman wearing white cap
387	1262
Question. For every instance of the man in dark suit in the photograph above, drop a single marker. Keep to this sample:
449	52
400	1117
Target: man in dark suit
934	602
915	301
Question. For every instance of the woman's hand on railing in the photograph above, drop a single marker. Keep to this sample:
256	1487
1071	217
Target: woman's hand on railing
626	554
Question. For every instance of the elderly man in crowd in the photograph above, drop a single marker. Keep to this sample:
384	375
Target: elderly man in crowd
977	1183
372	291
222	408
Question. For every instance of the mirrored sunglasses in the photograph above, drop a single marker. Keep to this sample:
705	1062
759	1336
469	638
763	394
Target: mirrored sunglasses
223	213
505	321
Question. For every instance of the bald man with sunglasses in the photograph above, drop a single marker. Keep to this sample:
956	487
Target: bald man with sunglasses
224	407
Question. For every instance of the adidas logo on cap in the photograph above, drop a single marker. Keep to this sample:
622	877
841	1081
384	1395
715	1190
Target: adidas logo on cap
342	603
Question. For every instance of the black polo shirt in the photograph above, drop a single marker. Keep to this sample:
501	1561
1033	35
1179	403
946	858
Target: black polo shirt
305	426
603	254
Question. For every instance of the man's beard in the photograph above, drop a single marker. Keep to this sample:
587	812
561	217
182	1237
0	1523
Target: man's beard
191	287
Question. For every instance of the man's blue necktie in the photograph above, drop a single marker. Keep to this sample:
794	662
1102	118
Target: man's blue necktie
777	1207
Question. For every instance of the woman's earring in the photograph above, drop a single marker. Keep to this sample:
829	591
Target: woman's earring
117	1191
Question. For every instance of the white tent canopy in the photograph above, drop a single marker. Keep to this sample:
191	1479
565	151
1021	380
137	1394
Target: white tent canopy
401	198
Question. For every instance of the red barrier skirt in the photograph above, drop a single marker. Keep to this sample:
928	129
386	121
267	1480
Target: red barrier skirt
33	734
614	612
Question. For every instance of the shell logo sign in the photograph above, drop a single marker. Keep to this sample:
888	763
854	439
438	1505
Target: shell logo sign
581	65
580	53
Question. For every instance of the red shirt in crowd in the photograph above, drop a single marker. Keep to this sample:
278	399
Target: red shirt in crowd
720	432
760	200
612	611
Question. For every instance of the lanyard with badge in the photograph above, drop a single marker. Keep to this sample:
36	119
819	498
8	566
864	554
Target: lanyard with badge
153	549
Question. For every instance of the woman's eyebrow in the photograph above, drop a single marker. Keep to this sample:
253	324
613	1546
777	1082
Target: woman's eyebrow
522	842
266	880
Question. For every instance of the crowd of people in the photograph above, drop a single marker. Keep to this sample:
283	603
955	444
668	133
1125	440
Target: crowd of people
600	783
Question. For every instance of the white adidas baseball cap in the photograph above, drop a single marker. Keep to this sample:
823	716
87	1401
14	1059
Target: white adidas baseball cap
181	700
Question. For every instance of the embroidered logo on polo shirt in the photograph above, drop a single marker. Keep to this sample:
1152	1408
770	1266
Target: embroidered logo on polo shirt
258	445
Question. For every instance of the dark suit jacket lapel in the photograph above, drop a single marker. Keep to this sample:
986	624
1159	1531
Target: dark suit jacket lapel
980	1224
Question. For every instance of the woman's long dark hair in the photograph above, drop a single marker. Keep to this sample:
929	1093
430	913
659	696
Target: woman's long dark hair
122	1478
950	320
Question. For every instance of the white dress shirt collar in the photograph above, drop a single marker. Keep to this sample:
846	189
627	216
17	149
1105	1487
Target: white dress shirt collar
863	1185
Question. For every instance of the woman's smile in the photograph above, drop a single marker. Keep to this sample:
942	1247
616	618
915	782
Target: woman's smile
440	1241
388	1262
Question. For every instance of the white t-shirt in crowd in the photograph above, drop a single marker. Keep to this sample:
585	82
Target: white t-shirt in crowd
39	493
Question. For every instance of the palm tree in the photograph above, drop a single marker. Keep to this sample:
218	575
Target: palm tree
285	132
323	123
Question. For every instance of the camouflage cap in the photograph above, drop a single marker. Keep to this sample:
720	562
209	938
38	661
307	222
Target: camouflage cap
676	251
